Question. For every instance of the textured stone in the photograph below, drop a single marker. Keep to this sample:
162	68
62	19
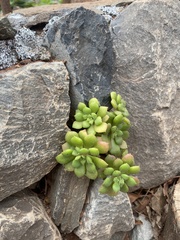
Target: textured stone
34	109
146	38
104	215
6	30
142	231
44	18
25	45
67	197
40	19
22	216
29	46
82	39
28	43
8	56
17	20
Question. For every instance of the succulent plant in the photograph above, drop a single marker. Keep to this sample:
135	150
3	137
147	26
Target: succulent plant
93	118
81	154
117	175
99	148
118	125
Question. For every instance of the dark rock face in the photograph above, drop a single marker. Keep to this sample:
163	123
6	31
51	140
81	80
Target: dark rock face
34	110
22	216
146	41
6	30
67	197
82	39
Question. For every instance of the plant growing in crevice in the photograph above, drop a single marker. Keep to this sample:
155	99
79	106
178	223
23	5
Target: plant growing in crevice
98	148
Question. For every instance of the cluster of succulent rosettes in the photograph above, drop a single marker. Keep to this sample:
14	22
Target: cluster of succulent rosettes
81	154
117	176
118	125
99	148
92	117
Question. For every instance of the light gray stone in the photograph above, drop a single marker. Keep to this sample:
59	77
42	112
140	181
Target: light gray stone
67	197
23	217
34	109
25	45
104	215
146	37
8	55
143	231
82	39
29	46
17	20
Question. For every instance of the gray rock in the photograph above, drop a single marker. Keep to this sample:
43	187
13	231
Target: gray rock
22	216
104	215
110	10
8	55
40	19
82	39
67	197
17	20
29	46
45	17
6	30
34	109
25	45
147	45
143	231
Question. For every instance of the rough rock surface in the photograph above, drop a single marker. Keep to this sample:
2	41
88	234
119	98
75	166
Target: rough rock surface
38	20
34	109
104	215
17	20
28	45
171	229
6	30
82	39
147	45
25	45
22	216
142	231
67	197
8	55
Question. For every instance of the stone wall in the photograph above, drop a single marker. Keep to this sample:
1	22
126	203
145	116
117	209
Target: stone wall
49	62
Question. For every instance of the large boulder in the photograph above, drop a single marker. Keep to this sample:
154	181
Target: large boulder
104	215
34	109
22	216
82	40
67	198
147	45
